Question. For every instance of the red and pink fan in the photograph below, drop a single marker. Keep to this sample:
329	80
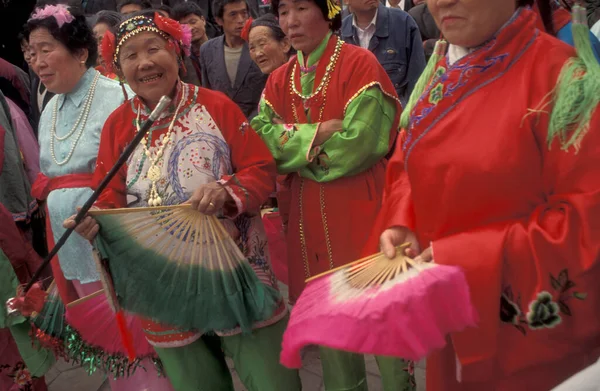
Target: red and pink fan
378	306
95	321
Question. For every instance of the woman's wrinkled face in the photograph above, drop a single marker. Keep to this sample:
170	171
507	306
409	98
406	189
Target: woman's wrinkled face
303	23
268	53
470	23
59	69
150	66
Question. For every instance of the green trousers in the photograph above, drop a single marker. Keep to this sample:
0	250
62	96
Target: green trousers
37	360
201	365
343	371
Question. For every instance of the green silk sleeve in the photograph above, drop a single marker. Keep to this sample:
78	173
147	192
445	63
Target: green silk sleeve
289	143
363	141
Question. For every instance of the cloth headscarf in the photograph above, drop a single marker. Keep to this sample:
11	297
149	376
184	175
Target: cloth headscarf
167	28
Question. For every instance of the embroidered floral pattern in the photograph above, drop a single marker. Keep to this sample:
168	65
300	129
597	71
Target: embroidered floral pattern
20	375
545	310
288	132
439	72
244	127
436	94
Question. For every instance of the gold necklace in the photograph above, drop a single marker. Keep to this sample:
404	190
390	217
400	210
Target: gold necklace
326	76
322	86
153	173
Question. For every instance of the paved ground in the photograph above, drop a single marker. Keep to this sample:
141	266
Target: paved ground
66	377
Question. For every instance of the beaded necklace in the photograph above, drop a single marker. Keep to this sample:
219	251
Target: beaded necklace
322	87
154	173
83	117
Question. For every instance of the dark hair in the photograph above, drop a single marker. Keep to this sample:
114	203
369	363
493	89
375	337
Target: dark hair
145	4
336	22
75	36
218	7
545	9
21	37
166	9
110	18
270	21
182	10
70	3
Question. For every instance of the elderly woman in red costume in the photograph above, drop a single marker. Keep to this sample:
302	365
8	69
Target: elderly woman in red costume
203	151
329	117
497	172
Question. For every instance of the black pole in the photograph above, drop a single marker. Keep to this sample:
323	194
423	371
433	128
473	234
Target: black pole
162	105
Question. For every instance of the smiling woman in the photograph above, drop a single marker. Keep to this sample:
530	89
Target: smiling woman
269	47
63	53
196	153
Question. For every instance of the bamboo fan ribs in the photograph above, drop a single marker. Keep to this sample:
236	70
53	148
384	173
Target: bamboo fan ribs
179	267
375	305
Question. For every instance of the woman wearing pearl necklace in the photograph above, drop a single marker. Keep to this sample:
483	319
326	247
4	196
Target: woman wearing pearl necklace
64	53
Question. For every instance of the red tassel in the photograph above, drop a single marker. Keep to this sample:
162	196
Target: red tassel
29	303
126	336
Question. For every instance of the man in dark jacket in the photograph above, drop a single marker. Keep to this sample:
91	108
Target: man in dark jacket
430	33
225	61
404	5
392	36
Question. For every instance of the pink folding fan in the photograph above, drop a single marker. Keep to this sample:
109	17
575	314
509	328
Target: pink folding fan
95	321
379	306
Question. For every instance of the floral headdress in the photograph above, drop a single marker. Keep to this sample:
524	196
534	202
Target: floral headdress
165	27
60	12
246	30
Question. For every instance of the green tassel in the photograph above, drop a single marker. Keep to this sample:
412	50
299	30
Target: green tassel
577	93
423	82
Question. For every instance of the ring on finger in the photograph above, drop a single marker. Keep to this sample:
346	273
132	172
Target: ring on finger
211	204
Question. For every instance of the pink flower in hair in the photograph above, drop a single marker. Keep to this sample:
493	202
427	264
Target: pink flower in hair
60	12
186	39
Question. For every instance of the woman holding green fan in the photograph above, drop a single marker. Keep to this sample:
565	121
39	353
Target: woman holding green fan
200	151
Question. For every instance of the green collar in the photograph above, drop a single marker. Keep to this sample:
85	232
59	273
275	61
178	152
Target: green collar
315	56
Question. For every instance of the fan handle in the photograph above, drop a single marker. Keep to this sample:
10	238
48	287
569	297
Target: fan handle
398	248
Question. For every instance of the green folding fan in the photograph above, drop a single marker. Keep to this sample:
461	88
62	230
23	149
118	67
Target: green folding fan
177	266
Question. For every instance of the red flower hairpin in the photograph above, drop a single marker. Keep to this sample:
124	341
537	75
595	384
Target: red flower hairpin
108	51
246	30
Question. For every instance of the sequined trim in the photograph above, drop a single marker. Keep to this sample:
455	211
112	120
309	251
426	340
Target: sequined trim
325	225
271	107
133	33
301	230
365	87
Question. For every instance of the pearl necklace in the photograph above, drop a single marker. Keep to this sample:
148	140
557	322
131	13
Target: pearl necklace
83	117
326	76
154	173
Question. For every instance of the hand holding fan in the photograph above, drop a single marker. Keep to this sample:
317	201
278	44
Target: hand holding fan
379	306
179	267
